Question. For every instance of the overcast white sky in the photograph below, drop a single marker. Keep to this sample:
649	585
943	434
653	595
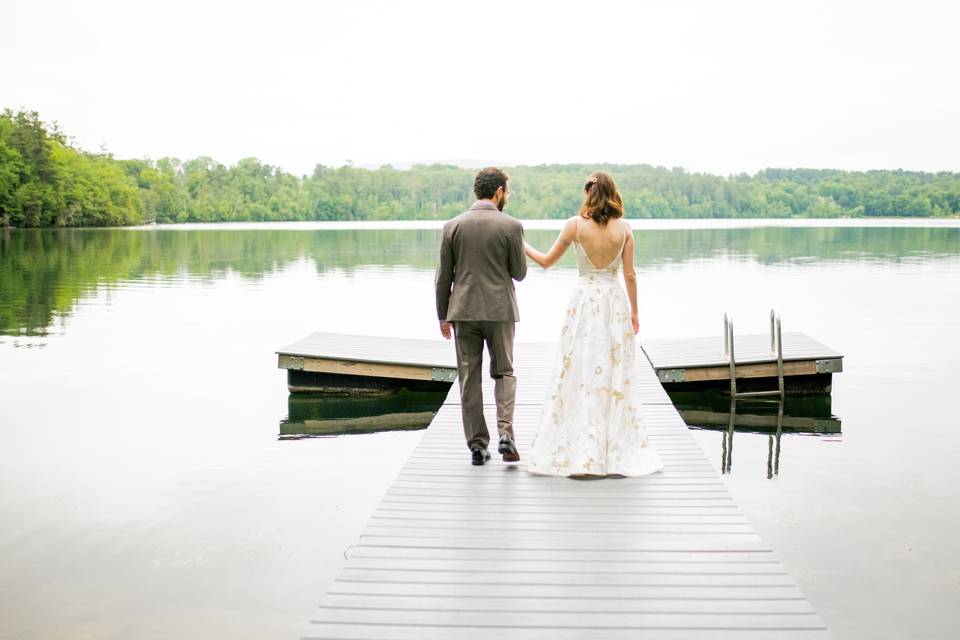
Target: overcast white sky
711	86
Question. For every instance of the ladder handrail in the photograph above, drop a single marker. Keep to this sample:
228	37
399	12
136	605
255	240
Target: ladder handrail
726	336
772	342
780	381
776	345
733	360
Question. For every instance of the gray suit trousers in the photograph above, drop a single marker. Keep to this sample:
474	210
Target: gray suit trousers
470	338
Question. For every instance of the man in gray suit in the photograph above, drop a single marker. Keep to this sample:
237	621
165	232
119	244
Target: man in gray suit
481	254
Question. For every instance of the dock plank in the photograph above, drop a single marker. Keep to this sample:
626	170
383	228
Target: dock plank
323	630
551	605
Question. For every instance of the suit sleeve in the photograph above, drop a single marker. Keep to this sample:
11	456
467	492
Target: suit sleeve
444	276
517	258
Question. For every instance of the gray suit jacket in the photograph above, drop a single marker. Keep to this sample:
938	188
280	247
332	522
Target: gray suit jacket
481	254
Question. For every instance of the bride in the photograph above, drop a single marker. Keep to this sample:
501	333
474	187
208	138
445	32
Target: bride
591	423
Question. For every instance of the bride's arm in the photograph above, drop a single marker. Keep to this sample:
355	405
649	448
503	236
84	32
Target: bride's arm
547	260
630	278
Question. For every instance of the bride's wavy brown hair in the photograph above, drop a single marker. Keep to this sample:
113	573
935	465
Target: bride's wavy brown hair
602	199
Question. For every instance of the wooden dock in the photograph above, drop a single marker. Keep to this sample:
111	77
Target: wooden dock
321	362
690	363
457	551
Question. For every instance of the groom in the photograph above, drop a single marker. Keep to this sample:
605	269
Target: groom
481	254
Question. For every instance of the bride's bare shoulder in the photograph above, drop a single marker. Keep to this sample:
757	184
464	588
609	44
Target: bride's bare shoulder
569	231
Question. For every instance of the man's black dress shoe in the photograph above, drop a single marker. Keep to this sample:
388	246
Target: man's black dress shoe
508	449
478	456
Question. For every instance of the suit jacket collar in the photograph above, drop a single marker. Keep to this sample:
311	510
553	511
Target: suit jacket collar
485	205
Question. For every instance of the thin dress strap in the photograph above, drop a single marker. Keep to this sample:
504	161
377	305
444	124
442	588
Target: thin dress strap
579	248
619	253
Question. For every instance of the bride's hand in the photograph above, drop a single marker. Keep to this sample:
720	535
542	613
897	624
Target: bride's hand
635	321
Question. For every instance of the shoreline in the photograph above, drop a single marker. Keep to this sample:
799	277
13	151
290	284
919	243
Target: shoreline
653	224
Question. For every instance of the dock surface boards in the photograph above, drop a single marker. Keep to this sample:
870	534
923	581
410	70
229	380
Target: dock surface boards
470	552
376	349
708	352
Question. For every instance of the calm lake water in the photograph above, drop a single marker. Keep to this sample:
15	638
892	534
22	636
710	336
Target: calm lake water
146	492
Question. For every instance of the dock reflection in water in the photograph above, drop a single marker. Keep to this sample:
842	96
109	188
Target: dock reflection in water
794	416
318	415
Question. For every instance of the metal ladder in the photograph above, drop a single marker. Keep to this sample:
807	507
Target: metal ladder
776	346
729	350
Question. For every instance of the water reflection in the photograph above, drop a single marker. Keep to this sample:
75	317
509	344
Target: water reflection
792	416
320	415
45	273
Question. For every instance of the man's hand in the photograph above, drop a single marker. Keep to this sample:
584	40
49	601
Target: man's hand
446	329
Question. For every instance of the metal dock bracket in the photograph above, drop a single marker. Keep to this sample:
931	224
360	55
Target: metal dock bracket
438	374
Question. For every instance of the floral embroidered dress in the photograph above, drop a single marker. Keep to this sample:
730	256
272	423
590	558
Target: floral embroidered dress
591	422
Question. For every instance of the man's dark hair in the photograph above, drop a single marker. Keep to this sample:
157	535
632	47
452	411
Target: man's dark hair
487	182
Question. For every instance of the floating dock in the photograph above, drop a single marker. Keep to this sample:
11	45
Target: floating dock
366	365
701	363
457	551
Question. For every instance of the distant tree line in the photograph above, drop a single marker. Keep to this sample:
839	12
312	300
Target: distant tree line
46	181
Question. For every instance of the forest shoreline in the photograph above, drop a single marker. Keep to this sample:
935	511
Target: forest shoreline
46	181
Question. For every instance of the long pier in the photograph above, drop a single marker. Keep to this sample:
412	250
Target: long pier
457	551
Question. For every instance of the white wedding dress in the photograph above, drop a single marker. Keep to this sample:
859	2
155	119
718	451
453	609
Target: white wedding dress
591	423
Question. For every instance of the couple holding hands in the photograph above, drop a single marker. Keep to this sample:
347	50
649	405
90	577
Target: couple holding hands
591	423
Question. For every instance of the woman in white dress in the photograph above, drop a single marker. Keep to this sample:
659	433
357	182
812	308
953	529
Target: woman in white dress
591	424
